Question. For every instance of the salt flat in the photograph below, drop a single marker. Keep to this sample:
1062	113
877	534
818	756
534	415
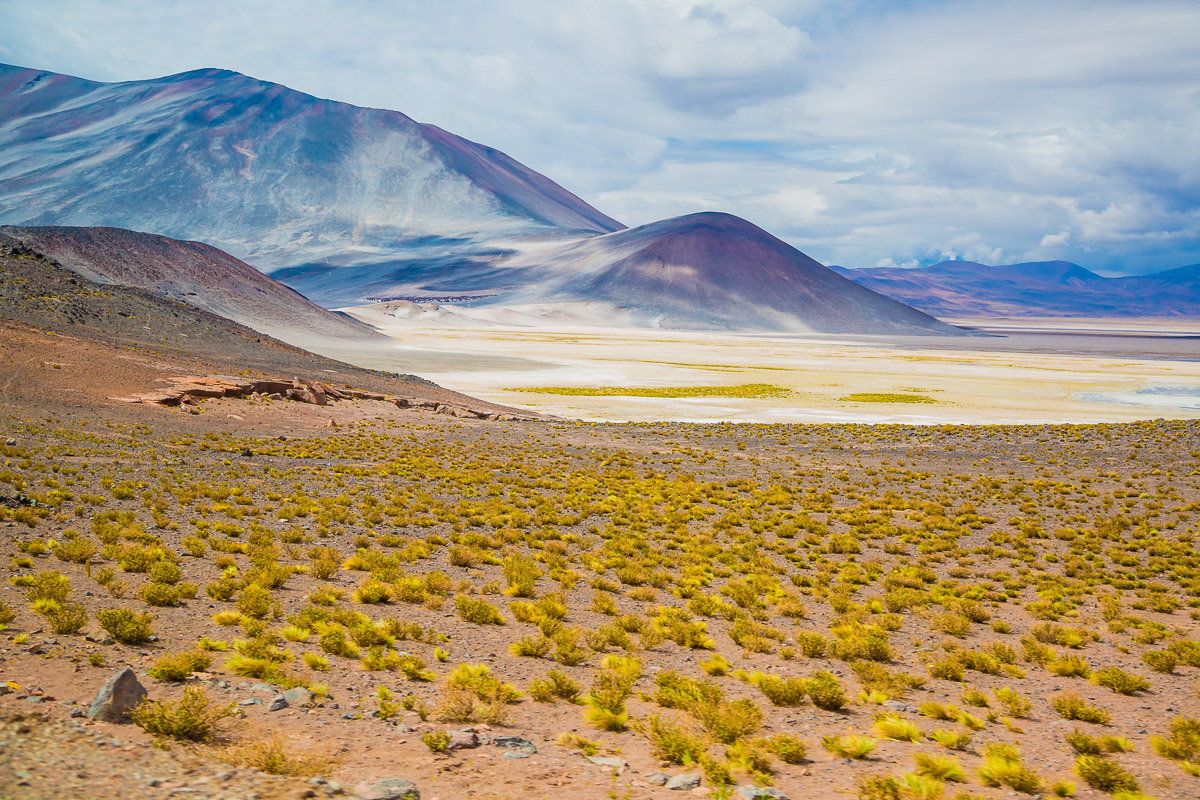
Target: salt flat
1027	371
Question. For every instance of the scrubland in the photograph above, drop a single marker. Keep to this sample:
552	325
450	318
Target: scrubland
879	611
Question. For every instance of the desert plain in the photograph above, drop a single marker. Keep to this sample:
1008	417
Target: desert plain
1011	370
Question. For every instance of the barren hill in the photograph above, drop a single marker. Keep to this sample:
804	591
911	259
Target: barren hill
195	273
701	271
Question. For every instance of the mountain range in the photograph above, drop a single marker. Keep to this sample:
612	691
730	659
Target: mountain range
352	206
1034	289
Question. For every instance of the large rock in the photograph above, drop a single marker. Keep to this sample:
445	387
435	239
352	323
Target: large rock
389	789
684	782
119	695
299	696
759	793
463	740
515	743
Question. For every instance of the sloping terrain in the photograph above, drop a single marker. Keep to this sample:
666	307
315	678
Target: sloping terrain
71	343
194	273
701	271
1036	289
271	175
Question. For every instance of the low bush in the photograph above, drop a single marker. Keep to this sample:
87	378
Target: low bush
1105	774
786	747
849	746
274	757
179	666
1183	743
193	718
670	741
479	612
125	625
896	728
1072	706
67	618
1120	681
825	692
1002	767
781	691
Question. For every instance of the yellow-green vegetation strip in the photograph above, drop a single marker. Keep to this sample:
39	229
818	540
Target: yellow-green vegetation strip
886	397
749	390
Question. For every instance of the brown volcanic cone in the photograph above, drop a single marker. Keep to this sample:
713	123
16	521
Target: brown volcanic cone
714	270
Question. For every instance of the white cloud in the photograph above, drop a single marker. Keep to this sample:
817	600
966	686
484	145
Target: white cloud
859	132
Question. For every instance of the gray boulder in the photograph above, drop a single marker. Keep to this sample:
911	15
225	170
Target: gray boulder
515	743
119	695
389	789
684	782
759	793
463	740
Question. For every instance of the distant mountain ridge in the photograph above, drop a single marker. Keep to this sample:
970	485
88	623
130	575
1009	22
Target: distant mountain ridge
271	175
194	273
1034	289
701	271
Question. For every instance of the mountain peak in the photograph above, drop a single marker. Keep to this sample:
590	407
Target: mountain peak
269	174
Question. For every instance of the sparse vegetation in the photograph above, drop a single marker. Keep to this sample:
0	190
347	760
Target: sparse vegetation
816	573
193	718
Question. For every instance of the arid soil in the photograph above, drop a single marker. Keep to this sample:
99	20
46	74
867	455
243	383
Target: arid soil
894	583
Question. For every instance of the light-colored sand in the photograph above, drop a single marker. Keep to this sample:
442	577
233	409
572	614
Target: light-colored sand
970	385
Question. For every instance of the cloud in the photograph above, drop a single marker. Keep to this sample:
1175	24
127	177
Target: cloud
859	131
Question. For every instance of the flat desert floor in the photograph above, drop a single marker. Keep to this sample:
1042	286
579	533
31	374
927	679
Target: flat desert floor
1010	371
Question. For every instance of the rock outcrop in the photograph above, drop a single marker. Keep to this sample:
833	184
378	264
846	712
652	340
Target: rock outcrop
190	391
119	695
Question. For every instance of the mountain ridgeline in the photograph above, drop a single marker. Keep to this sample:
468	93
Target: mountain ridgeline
1035	289
349	205
271	175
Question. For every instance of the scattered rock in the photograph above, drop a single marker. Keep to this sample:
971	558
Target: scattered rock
658	778
299	696
278	703
898	706
389	789
119	695
515	743
758	792
684	782
463	740
604	761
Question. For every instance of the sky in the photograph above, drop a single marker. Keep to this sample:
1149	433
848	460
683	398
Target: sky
866	133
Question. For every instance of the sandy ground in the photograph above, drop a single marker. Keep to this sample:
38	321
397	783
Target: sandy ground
1023	371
